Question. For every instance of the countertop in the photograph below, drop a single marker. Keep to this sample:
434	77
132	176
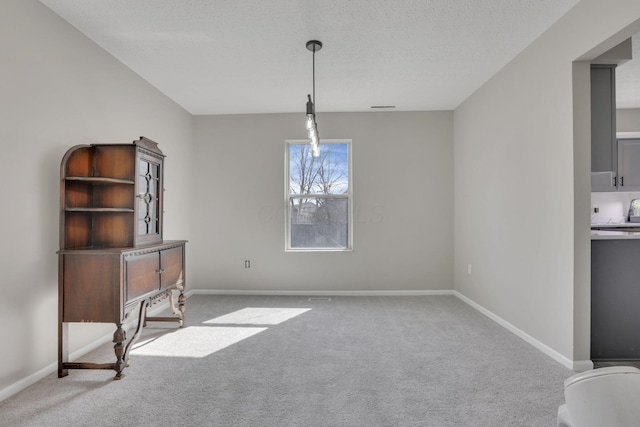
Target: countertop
612	228
615	228
616	225
611	221
613	235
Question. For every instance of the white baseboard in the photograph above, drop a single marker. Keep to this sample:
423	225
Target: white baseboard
74	355
27	381
581	365
578	365
317	293
51	368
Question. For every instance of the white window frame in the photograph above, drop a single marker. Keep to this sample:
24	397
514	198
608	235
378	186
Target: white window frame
348	195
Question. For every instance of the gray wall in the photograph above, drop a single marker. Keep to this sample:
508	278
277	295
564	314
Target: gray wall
523	168
403	204
520	173
59	89
628	120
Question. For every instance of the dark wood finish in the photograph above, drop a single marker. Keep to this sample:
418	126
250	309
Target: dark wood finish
148	224
171	266
112	259
143	275
110	229
91	287
121	350
111	195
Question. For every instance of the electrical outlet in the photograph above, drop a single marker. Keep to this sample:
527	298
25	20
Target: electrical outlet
469	269
247	264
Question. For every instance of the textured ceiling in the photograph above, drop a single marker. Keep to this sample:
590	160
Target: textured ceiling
249	56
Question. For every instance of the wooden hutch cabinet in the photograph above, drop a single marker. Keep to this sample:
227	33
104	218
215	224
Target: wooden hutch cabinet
112	262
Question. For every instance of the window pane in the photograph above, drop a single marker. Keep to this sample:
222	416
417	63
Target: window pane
319	222
325	174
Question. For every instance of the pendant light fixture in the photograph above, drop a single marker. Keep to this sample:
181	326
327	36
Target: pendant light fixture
312	125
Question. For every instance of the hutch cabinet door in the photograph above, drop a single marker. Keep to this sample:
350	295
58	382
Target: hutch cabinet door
142	273
171	266
149	204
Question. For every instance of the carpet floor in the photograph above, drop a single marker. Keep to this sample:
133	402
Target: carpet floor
300	361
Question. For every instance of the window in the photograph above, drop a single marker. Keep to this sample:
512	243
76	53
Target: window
318	196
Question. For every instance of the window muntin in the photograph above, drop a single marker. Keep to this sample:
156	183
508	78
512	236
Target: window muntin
318	196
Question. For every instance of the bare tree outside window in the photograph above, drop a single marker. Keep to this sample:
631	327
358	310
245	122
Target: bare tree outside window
319	196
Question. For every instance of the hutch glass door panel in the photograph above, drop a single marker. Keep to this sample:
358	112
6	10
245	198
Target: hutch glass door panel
148	227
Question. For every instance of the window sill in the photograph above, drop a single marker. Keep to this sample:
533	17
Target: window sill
318	250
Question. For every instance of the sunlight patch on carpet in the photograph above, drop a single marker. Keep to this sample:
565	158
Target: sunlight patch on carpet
258	316
194	341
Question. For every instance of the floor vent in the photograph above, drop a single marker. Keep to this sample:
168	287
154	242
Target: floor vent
319	299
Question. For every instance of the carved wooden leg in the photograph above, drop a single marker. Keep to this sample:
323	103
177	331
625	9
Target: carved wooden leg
141	322
181	300
179	312
119	337
63	348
